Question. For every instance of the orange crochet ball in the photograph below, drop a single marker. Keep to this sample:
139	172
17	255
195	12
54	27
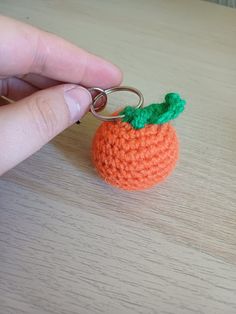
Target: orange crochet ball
134	157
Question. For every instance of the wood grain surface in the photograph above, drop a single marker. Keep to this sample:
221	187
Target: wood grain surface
71	244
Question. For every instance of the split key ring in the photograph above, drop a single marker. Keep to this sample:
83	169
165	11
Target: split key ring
100	100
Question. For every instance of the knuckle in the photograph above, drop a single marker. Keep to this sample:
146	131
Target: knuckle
44	117
39	61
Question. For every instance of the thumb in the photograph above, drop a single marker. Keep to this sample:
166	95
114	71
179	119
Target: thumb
26	125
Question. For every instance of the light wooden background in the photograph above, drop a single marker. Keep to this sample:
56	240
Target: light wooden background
71	244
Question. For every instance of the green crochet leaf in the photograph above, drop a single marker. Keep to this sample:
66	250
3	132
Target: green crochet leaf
154	113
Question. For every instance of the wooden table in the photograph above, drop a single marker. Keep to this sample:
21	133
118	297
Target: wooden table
71	244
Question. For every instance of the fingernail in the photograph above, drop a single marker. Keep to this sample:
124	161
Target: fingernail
78	100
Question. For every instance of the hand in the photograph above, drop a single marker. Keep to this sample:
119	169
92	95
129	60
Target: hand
34	67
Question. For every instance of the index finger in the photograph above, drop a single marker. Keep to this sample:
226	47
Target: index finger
25	49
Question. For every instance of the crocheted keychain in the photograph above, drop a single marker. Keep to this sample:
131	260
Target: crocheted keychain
137	147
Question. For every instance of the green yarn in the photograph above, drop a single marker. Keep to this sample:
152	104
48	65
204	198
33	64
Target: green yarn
154	113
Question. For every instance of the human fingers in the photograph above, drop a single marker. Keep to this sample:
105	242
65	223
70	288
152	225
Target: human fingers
15	88
26	125
21	86
39	81
25	49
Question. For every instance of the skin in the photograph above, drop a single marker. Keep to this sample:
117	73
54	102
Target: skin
46	77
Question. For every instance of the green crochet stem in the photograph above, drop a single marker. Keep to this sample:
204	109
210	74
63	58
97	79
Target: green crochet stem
154	113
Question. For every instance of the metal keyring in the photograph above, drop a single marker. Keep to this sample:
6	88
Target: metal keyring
102	93
110	91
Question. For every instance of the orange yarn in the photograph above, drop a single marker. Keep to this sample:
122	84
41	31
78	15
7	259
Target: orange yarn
134	159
